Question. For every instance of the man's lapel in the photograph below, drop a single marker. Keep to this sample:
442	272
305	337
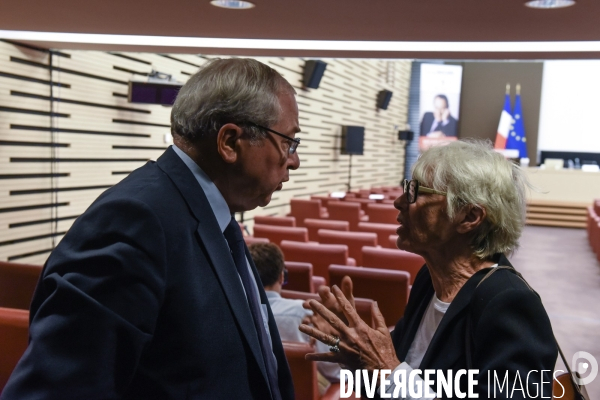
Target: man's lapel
215	246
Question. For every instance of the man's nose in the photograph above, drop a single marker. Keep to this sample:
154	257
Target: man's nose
294	161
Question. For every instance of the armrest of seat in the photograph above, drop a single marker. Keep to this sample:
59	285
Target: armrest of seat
317	282
364	218
332	392
351	262
324	215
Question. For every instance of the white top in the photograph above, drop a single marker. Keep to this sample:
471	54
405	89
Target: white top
431	320
429	324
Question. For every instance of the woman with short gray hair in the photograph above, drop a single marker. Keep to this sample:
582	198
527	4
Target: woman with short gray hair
463	212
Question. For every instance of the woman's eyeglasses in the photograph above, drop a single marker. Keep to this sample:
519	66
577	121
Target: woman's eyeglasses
412	188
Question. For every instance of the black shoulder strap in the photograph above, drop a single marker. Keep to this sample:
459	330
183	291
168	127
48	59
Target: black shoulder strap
578	389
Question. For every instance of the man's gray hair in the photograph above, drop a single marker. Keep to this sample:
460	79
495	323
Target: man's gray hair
472	173
234	90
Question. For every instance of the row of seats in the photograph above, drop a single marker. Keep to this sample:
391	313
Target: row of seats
353	211
593	227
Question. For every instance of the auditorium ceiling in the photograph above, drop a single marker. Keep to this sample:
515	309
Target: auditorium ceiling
365	20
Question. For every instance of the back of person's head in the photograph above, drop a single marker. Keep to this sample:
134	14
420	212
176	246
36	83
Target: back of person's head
269	262
234	90
472	173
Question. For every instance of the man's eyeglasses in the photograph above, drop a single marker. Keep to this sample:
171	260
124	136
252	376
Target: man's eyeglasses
285	276
412	189
293	145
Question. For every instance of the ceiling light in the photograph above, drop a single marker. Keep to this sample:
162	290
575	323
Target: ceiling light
549	3
232	4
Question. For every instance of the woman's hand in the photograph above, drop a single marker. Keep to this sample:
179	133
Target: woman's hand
360	346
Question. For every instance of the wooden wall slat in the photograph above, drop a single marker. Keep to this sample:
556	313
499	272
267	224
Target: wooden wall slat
93	120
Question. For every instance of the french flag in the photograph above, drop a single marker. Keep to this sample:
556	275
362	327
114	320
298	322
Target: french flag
506	121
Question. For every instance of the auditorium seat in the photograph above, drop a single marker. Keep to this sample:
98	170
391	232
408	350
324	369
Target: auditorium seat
313	226
301	278
280	221
364	307
364	203
354	240
304	373
392	259
17	284
382	213
302	209
251	240
321	256
276	234
387	287
14	331
347	211
325	200
383	231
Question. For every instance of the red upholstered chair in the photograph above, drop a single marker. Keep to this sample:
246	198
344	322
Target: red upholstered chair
364	307
251	240
276	234
304	373
302	209
14	334
280	221
383	231
393	259
382	213
364	203
17	284
301	278
321	256
313	226
347	211
354	240
597	206
388	288
325	200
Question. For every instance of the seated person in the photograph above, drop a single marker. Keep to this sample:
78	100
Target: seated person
288	313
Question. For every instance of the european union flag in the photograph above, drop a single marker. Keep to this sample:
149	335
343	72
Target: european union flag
516	138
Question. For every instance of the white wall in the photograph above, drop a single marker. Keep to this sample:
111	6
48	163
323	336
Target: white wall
570	107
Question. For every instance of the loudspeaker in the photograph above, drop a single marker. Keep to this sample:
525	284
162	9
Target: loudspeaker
383	99
353	140
313	72
406	135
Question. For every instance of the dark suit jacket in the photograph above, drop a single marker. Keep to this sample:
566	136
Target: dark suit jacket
450	129
510	331
142	300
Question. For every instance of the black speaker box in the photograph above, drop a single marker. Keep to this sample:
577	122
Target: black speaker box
353	140
313	72
383	99
406	135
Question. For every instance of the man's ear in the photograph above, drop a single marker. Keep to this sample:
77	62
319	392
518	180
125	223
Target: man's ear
470	217
228	142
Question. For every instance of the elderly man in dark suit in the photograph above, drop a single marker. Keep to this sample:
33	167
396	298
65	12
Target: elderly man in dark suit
152	293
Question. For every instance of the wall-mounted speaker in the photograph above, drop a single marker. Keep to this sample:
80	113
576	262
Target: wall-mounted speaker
353	140
406	135
383	99
313	72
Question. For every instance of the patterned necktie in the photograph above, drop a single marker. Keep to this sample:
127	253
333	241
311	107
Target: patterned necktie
233	235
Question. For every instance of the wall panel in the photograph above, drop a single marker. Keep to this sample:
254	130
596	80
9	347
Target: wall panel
67	135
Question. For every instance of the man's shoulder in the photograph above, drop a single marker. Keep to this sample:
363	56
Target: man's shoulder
288	307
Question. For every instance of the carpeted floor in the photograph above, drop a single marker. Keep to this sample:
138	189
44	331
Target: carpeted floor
560	265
